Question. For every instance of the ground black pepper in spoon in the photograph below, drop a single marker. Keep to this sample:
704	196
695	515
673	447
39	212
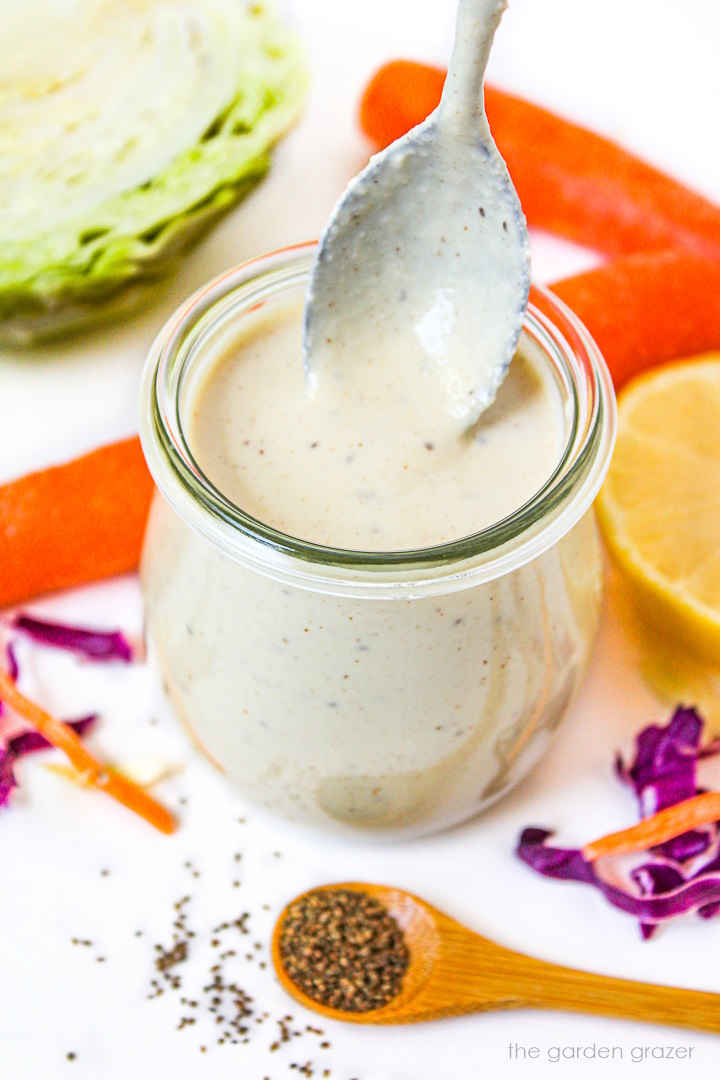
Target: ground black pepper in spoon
344	950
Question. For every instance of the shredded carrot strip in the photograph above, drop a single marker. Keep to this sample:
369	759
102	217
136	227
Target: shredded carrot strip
665	825
91	770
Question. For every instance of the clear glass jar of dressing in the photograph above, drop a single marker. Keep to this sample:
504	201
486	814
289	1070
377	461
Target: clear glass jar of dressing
394	692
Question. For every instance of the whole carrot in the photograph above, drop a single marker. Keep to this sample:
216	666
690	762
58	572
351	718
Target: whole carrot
74	523
647	309
571	181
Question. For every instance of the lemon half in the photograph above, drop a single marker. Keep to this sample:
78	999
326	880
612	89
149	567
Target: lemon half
659	508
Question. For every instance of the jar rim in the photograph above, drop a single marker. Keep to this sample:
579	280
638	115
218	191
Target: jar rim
515	540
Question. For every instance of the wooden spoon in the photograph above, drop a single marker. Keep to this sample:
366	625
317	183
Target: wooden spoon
454	971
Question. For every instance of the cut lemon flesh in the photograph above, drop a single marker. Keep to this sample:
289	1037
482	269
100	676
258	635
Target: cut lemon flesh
659	508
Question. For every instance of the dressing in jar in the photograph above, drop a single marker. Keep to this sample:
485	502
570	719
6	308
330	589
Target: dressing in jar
366	620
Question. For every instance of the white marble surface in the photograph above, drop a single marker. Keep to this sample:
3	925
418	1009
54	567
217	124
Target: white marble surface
642	71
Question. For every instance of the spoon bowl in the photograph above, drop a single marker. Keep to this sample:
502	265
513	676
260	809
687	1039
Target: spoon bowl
453	971
418	922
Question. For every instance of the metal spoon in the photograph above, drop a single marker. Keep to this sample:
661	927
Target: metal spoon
428	249
455	971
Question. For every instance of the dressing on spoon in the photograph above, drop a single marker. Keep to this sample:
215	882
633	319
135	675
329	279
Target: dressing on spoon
427	255
417	315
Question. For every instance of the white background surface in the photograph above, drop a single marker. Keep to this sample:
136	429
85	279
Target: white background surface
644	72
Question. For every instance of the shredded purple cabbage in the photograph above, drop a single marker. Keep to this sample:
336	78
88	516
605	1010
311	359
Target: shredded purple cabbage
91	644
680	876
98	645
12	670
29	742
663	772
7	777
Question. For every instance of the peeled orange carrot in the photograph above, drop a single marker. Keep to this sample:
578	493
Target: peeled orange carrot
75	523
571	181
645	310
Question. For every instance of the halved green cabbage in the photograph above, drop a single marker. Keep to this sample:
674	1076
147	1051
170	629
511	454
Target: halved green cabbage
126	127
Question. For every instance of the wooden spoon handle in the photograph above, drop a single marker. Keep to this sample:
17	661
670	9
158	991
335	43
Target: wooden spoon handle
549	986
473	974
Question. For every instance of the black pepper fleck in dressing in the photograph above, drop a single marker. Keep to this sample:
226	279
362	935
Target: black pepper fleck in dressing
344	950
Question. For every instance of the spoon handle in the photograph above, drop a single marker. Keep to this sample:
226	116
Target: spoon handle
550	986
472	974
462	101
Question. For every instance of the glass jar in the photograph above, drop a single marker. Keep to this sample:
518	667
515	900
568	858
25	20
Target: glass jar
395	693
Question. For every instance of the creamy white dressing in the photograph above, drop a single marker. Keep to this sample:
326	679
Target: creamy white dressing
371	460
